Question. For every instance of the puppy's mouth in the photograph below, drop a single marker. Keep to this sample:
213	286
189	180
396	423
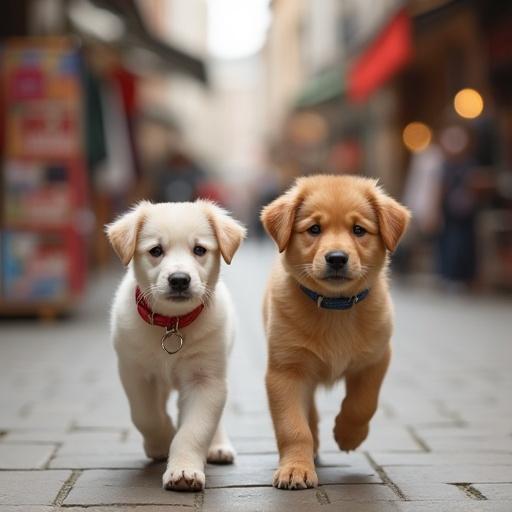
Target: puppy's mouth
336	277
178	296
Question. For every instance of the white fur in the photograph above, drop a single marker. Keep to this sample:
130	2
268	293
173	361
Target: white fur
198	370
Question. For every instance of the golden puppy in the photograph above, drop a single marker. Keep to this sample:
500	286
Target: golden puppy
327	311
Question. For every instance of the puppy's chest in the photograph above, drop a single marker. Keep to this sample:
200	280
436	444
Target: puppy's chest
146	348
343	346
194	358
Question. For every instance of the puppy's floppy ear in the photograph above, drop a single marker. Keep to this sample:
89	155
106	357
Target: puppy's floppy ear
393	218
228	231
122	233
278	217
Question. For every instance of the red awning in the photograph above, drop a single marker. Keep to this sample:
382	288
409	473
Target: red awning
387	54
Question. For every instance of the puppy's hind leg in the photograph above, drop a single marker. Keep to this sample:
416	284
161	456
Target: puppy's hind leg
147	408
221	450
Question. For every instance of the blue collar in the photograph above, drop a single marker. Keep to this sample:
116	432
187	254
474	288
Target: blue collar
335	302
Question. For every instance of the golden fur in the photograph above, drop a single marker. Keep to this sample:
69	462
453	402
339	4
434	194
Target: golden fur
308	345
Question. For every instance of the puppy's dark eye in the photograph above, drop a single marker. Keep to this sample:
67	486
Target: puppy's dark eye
315	229
199	250
156	251
358	230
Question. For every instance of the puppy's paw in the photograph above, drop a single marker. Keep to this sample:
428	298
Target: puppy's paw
190	479
157	448
349	436
295	476
158	451
221	454
157	445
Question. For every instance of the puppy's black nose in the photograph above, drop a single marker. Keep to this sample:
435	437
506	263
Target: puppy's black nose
336	259
179	281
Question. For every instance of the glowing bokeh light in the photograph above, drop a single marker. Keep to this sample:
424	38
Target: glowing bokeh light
416	136
468	103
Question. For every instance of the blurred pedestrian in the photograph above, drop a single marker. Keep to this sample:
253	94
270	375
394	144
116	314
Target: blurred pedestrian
177	178
457	239
421	196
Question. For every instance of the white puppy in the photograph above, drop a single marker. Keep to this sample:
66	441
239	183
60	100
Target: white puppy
172	327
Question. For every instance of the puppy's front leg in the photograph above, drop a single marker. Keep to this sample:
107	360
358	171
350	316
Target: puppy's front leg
200	407
147	407
352	423
290	397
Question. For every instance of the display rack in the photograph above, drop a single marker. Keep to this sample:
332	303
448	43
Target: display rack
43	177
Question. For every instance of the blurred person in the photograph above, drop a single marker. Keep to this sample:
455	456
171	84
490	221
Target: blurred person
458	206
421	196
267	188
423	187
173	174
277	177
177	178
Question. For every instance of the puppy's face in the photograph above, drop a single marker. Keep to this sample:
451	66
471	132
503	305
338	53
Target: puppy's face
176	258
176	250
335	239
336	231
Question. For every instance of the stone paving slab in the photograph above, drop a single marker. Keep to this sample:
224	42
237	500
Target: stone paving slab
93	452
451	443
449	474
25	456
41	420
430	491
427	411
26	508
125	487
268	499
100	446
98	461
442	458
31	487
495	491
35	436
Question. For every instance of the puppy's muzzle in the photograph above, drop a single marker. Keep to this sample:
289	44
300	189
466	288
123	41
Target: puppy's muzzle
179	282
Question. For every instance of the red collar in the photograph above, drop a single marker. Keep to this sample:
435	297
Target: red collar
169	322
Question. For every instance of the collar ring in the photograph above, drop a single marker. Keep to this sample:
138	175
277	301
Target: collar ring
172	332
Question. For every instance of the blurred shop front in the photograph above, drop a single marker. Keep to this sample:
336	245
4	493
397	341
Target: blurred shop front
460	77
375	87
83	134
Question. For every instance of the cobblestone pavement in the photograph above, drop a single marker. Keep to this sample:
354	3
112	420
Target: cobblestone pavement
441	441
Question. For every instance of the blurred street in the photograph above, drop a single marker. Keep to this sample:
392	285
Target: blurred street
104	103
441	441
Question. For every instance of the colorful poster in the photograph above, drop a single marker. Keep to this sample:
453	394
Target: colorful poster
35	266
43	170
